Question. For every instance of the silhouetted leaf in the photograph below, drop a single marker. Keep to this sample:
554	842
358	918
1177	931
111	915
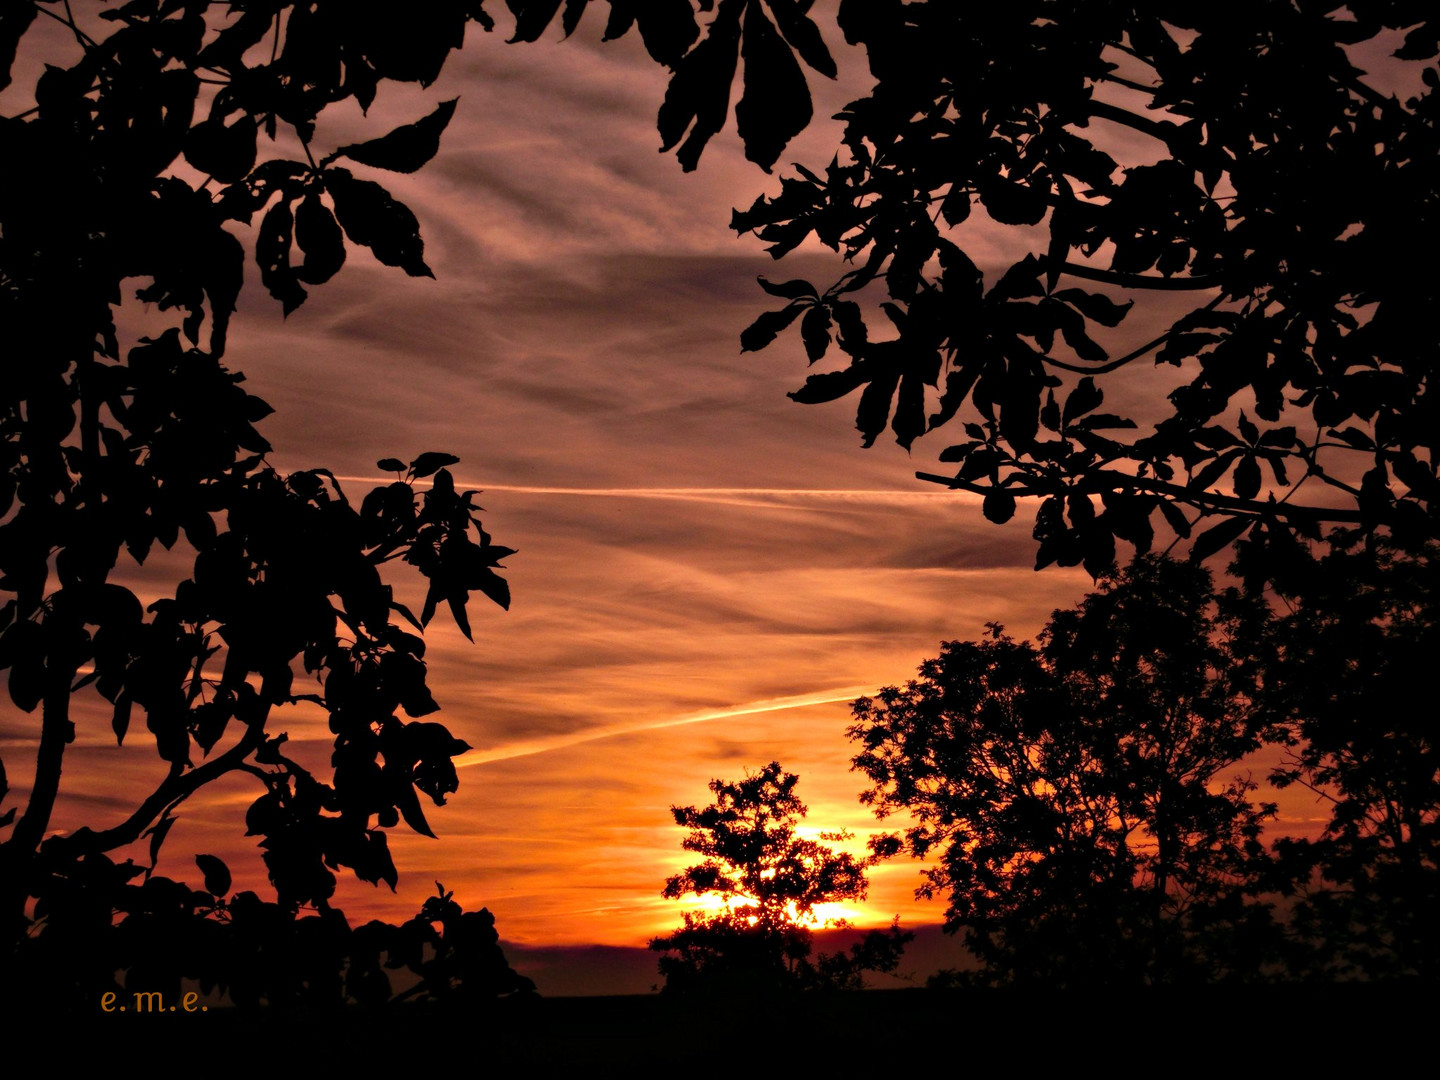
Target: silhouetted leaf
764	329
216	874
1247	477
430	462
120	721
319	236
1011	203
1355	437
495	588
803	35
1220	536
775	105
788	290
406	148
1213	470
371	218
1101	421
815	332
829	385
667	27
226	152
272	252
232	42
1083	399
1094	306
698	97
873	413
998	506
1248	431
157	834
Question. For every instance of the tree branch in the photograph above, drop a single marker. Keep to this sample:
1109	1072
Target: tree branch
1164	130
1105	480
1112	365
1133	281
1120	81
56	732
175	788
1128	51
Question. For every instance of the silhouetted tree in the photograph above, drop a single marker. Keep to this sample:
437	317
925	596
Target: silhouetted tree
108	452
1347	689
769	882
1077	797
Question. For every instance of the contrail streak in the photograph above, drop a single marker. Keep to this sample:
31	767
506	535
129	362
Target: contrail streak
563	742
709	494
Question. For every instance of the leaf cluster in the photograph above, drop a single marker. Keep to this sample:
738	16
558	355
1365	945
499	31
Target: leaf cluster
107	453
1282	185
242	949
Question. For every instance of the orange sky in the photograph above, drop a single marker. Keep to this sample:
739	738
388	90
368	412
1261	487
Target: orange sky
707	573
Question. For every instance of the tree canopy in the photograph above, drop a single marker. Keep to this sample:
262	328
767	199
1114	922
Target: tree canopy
111	450
1079	798
1229	167
1087	803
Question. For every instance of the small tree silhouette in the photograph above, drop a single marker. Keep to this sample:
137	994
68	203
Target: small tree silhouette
769	881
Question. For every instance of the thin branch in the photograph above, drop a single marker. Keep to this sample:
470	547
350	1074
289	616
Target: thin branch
1134	281
80	35
56	732
1374	97
1111	77
1163	130
1317	470
1109	481
1112	365
1128	51
84	39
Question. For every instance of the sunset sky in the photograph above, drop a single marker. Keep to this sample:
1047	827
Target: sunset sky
707	573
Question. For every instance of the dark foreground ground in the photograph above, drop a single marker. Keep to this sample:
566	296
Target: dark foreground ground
1217	1031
